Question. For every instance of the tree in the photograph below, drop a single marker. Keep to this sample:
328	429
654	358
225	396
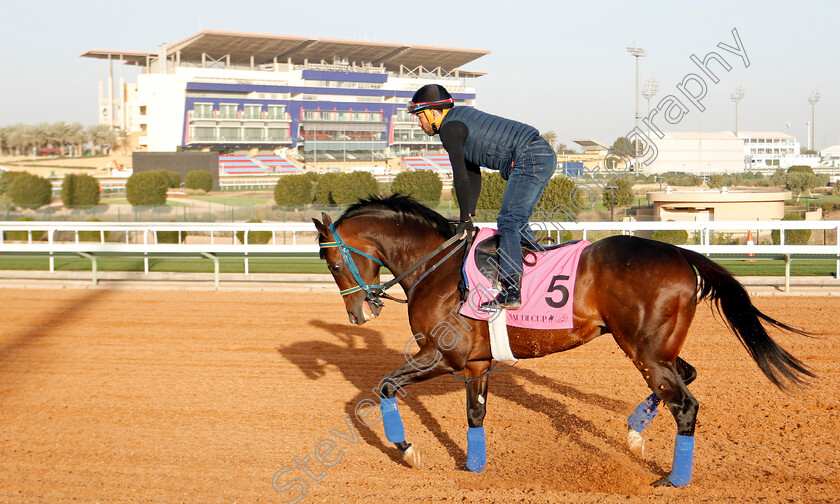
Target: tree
30	191
563	149
622	192
198	179
80	190
146	189
293	190
550	137
422	185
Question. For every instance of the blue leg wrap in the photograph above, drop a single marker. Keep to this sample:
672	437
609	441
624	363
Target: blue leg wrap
644	413
683	461
476	449
391	420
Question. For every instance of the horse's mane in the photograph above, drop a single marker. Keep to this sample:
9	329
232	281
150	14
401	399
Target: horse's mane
399	205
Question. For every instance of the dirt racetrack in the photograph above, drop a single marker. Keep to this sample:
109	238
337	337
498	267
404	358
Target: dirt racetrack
203	397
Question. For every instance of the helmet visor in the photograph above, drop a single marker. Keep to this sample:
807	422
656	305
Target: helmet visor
413	108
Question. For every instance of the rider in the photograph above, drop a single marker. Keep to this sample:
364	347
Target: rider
473	138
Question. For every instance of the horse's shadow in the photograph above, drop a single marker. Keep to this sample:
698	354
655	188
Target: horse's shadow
351	357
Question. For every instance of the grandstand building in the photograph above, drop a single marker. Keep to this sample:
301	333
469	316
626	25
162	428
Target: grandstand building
314	100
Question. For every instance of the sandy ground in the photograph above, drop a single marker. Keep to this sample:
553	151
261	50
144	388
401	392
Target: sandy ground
172	396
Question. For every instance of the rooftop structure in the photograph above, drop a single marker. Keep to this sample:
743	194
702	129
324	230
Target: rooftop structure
312	98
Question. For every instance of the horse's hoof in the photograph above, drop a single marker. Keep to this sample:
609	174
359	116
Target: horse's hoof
412	456
664	482
636	443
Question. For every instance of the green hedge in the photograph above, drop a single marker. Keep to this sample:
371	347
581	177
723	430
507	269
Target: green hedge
199	179
30	191
421	185
792	236
147	189
345	188
173	179
293	190
171	236
672	236
255	237
6	179
24	235
93	236
80	190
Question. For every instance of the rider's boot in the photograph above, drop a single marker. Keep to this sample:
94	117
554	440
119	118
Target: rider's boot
508	298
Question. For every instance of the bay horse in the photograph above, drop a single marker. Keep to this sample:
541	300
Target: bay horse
643	292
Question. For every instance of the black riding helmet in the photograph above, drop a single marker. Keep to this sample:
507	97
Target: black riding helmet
430	96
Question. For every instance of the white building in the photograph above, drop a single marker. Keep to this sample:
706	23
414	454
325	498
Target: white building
322	98
771	150
831	156
699	153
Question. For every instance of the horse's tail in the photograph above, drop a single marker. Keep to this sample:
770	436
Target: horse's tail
733	303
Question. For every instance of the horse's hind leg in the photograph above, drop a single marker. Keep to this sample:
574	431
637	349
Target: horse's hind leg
476	409
644	413
666	380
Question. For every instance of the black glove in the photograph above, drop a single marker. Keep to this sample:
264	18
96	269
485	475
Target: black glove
464	226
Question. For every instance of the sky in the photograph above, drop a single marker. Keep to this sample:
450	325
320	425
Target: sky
560	66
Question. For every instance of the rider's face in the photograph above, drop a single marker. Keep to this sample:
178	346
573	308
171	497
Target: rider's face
424	123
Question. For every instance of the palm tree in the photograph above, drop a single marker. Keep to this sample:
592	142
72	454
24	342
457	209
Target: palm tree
76	136
550	137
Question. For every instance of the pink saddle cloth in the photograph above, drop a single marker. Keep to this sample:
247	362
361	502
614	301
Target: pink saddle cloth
548	287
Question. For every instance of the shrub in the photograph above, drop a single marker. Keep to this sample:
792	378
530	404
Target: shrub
293	190
80	191
351	187
622	194
421	185
672	236
93	236
199	179
492	192
325	188
30	191
171	236
254	237
146	189
173	179
801	169
24	235
792	236
561	201
6	179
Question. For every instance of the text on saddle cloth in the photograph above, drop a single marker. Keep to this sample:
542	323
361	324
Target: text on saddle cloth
547	287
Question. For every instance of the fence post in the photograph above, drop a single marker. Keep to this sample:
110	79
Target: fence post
787	272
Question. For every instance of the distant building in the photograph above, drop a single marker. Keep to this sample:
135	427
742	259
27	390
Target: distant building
770	150
718	205
831	156
321	99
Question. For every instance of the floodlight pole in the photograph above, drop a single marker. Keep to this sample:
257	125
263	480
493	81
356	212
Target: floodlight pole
637	52
737	96
813	99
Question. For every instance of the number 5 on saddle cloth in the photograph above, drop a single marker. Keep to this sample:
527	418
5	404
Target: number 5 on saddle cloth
547	284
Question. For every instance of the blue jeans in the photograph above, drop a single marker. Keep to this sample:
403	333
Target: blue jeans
530	174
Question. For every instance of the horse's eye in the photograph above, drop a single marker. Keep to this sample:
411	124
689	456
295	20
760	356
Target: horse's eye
335	267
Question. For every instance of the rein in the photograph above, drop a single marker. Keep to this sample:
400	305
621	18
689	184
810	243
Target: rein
374	292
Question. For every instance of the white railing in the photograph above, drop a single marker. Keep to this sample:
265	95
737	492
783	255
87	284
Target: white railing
141	238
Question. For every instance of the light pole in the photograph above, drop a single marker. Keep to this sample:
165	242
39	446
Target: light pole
737	96
637	52
813	99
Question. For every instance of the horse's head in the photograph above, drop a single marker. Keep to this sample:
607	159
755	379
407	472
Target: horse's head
353	264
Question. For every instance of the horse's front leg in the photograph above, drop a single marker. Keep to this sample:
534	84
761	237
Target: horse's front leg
476	409
427	363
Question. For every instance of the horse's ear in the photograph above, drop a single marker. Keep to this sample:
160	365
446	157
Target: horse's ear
326	218
322	229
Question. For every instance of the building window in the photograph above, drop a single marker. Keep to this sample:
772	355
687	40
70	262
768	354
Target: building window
229	134
203	134
253	112
276	112
254	134
227	111
278	134
202	111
